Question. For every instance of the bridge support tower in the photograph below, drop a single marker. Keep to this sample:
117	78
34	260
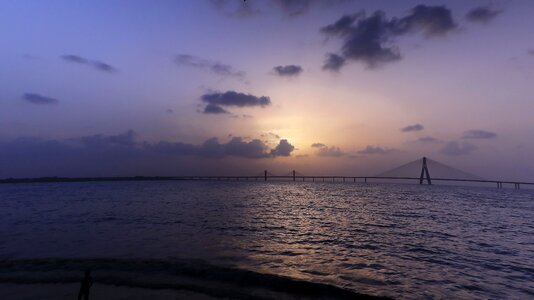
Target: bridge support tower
424	171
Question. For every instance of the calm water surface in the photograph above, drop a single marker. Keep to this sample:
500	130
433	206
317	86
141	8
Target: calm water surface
403	241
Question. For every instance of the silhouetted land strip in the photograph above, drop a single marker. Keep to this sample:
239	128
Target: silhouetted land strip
191	275
364	179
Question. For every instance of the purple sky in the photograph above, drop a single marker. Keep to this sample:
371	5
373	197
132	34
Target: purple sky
107	88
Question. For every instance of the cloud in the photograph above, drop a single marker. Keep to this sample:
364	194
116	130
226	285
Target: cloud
479	134
212	148
214	109
482	14
208	65
100	66
333	62
215	101
427	139
284	148
289	70
288	8
295	8
325	151
530	51
129	139
39	99
415	127
370	39
332	151
374	150
455	148
235	8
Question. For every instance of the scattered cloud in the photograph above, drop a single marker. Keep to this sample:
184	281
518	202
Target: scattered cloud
270	135
212	148
295	8
479	134
370	39
333	62
216	101
127	154
427	139
332	151
455	148
39	99
370	149
215	109
235	8
325	151
100	66
482	14
288	71
415	127
288	8
209	65
284	148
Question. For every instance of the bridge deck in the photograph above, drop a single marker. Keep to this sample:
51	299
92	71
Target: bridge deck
259	178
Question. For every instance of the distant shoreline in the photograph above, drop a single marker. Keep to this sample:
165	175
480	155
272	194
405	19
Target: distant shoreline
86	179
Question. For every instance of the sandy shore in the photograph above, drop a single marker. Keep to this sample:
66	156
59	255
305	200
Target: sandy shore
11	291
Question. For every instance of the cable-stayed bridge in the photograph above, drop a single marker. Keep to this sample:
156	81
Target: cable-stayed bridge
423	171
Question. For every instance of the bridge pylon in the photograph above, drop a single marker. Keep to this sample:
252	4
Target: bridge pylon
424	171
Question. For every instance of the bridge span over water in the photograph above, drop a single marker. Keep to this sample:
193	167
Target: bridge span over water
458	176
419	170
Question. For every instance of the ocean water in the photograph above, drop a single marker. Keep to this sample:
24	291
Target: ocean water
401	241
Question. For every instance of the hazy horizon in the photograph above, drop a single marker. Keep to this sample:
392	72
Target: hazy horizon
128	88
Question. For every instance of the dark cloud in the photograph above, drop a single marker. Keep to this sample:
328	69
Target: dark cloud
370	39
129	139
100	66
479	134
214	109
374	150
455	148
415	127
427	139
530	51
215	101
208	65
126	155
39	99
237	147
284	148
169	110
318	145
289	70
333	62
482	14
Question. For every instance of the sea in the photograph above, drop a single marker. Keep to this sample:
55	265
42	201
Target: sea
402	241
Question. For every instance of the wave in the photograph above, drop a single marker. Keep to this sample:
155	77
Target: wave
191	275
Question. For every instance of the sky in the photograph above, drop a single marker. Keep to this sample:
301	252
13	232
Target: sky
228	87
